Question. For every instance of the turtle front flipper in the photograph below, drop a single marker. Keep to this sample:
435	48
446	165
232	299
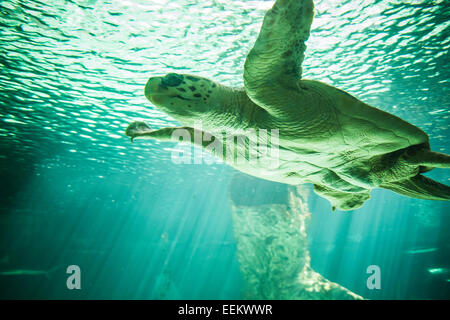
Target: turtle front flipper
141	130
202	139
420	187
275	61
137	129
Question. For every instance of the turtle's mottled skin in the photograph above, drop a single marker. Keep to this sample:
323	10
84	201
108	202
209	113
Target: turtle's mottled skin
327	137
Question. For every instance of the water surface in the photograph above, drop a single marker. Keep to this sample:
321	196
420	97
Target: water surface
76	191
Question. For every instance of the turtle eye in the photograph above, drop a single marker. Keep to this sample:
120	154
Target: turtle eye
172	80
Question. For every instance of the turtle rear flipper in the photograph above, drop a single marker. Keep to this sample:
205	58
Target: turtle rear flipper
340	200
420	187
427	158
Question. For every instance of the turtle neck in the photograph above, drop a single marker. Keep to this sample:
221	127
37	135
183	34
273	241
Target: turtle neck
233	111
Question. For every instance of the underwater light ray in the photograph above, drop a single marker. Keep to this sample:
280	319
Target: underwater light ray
67	66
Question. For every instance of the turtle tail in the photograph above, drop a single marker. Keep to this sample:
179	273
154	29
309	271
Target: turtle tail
420	187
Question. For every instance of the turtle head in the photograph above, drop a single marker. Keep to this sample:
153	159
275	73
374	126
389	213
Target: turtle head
184	97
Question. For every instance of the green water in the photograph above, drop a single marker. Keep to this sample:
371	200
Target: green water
75	191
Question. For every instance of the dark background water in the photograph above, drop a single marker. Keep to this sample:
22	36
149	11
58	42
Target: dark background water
74	190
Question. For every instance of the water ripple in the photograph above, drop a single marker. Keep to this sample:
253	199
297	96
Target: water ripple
72	73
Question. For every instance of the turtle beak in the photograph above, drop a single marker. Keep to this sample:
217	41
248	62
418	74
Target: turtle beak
155	87
148	90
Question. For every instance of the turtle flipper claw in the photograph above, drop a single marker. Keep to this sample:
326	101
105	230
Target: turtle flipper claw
136	129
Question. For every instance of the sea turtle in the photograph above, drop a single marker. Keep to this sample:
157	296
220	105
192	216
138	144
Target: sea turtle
326	137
